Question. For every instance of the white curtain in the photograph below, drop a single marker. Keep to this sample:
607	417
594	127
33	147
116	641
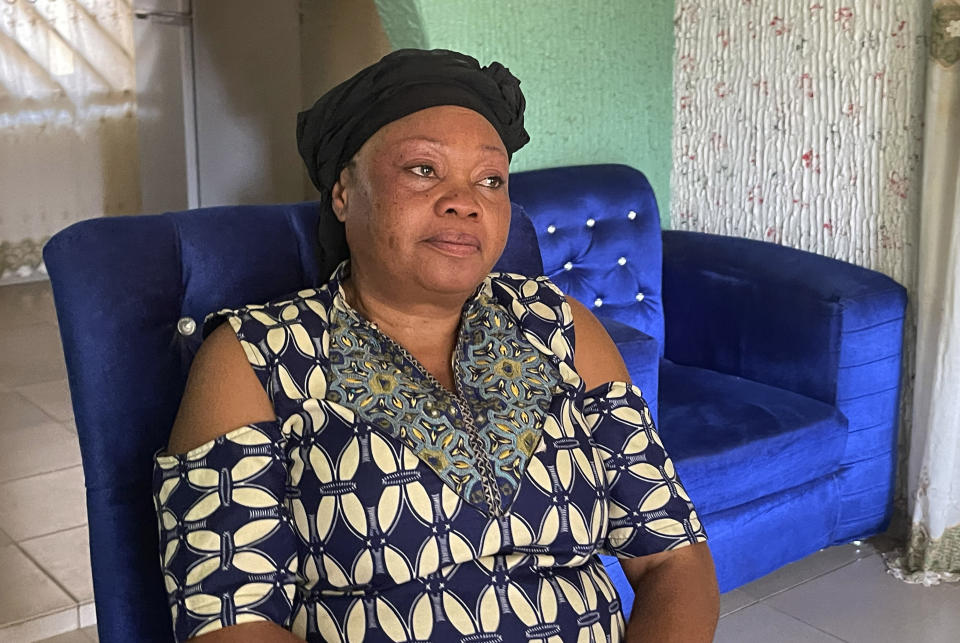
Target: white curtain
68	133
932	552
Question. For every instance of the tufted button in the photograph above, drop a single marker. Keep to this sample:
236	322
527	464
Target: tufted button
591	223
639	296
568	266
597	302
632	215
186	326
551	229
622	261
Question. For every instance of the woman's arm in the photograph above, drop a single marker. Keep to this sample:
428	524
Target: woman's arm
259	632
676	597
223	393
596	356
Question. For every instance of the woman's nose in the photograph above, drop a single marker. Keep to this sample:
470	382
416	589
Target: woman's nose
458	200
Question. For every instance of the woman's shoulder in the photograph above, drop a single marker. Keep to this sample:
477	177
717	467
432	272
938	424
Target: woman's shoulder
278	337
526	287
309	307
538	295
561	324
539	307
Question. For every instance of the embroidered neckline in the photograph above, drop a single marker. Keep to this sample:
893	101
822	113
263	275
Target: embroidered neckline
477	438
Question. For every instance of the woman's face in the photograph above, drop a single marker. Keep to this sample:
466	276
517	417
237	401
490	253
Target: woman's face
425	204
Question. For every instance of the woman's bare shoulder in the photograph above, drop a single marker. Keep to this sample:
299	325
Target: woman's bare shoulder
222	393
596	358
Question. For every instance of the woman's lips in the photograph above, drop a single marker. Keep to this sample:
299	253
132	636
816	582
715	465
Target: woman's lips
459	244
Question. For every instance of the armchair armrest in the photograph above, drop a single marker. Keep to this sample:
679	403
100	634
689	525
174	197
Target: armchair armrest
641	353
806	323
816	326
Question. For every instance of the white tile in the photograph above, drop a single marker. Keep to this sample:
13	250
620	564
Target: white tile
73	636
65	557
862	603
31	354
52	397
43	504
30	450
814	565
27	593
734	600
762	624
88	615
26	304
91	633
41	627
4	539
17	411
70	425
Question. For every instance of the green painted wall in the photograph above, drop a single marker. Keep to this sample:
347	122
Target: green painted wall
598	76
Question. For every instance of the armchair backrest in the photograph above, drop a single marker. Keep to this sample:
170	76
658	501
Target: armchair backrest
131	294
599	233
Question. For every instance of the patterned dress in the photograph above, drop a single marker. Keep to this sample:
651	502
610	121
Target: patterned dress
380	506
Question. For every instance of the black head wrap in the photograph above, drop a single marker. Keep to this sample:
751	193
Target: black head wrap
401	83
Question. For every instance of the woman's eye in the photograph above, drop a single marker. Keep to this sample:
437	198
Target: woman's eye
492	182
423	170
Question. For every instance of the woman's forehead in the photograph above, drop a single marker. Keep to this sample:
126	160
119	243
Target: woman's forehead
446	126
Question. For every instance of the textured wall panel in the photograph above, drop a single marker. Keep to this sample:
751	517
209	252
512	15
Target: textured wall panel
800	123
597	77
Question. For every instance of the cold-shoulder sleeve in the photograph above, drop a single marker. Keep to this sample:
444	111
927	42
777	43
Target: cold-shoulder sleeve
649	510
227	548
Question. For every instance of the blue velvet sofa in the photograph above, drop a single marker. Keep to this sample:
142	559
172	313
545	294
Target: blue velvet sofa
774	373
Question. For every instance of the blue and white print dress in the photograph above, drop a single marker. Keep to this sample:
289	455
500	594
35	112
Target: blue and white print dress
380	506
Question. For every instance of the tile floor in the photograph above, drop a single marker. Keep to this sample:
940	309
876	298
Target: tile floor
43	531
838	594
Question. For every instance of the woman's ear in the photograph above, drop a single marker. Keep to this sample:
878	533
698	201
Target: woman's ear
339	192
338	201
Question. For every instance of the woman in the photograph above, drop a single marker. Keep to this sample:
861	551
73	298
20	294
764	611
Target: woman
415	451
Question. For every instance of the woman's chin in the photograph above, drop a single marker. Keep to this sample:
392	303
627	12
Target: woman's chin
455	275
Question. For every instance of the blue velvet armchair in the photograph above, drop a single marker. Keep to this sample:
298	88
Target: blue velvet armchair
774	372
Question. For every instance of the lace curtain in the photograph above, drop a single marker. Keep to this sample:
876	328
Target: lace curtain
932	551
68	132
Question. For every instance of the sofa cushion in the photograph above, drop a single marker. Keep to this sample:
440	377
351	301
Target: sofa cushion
753	539
734	440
